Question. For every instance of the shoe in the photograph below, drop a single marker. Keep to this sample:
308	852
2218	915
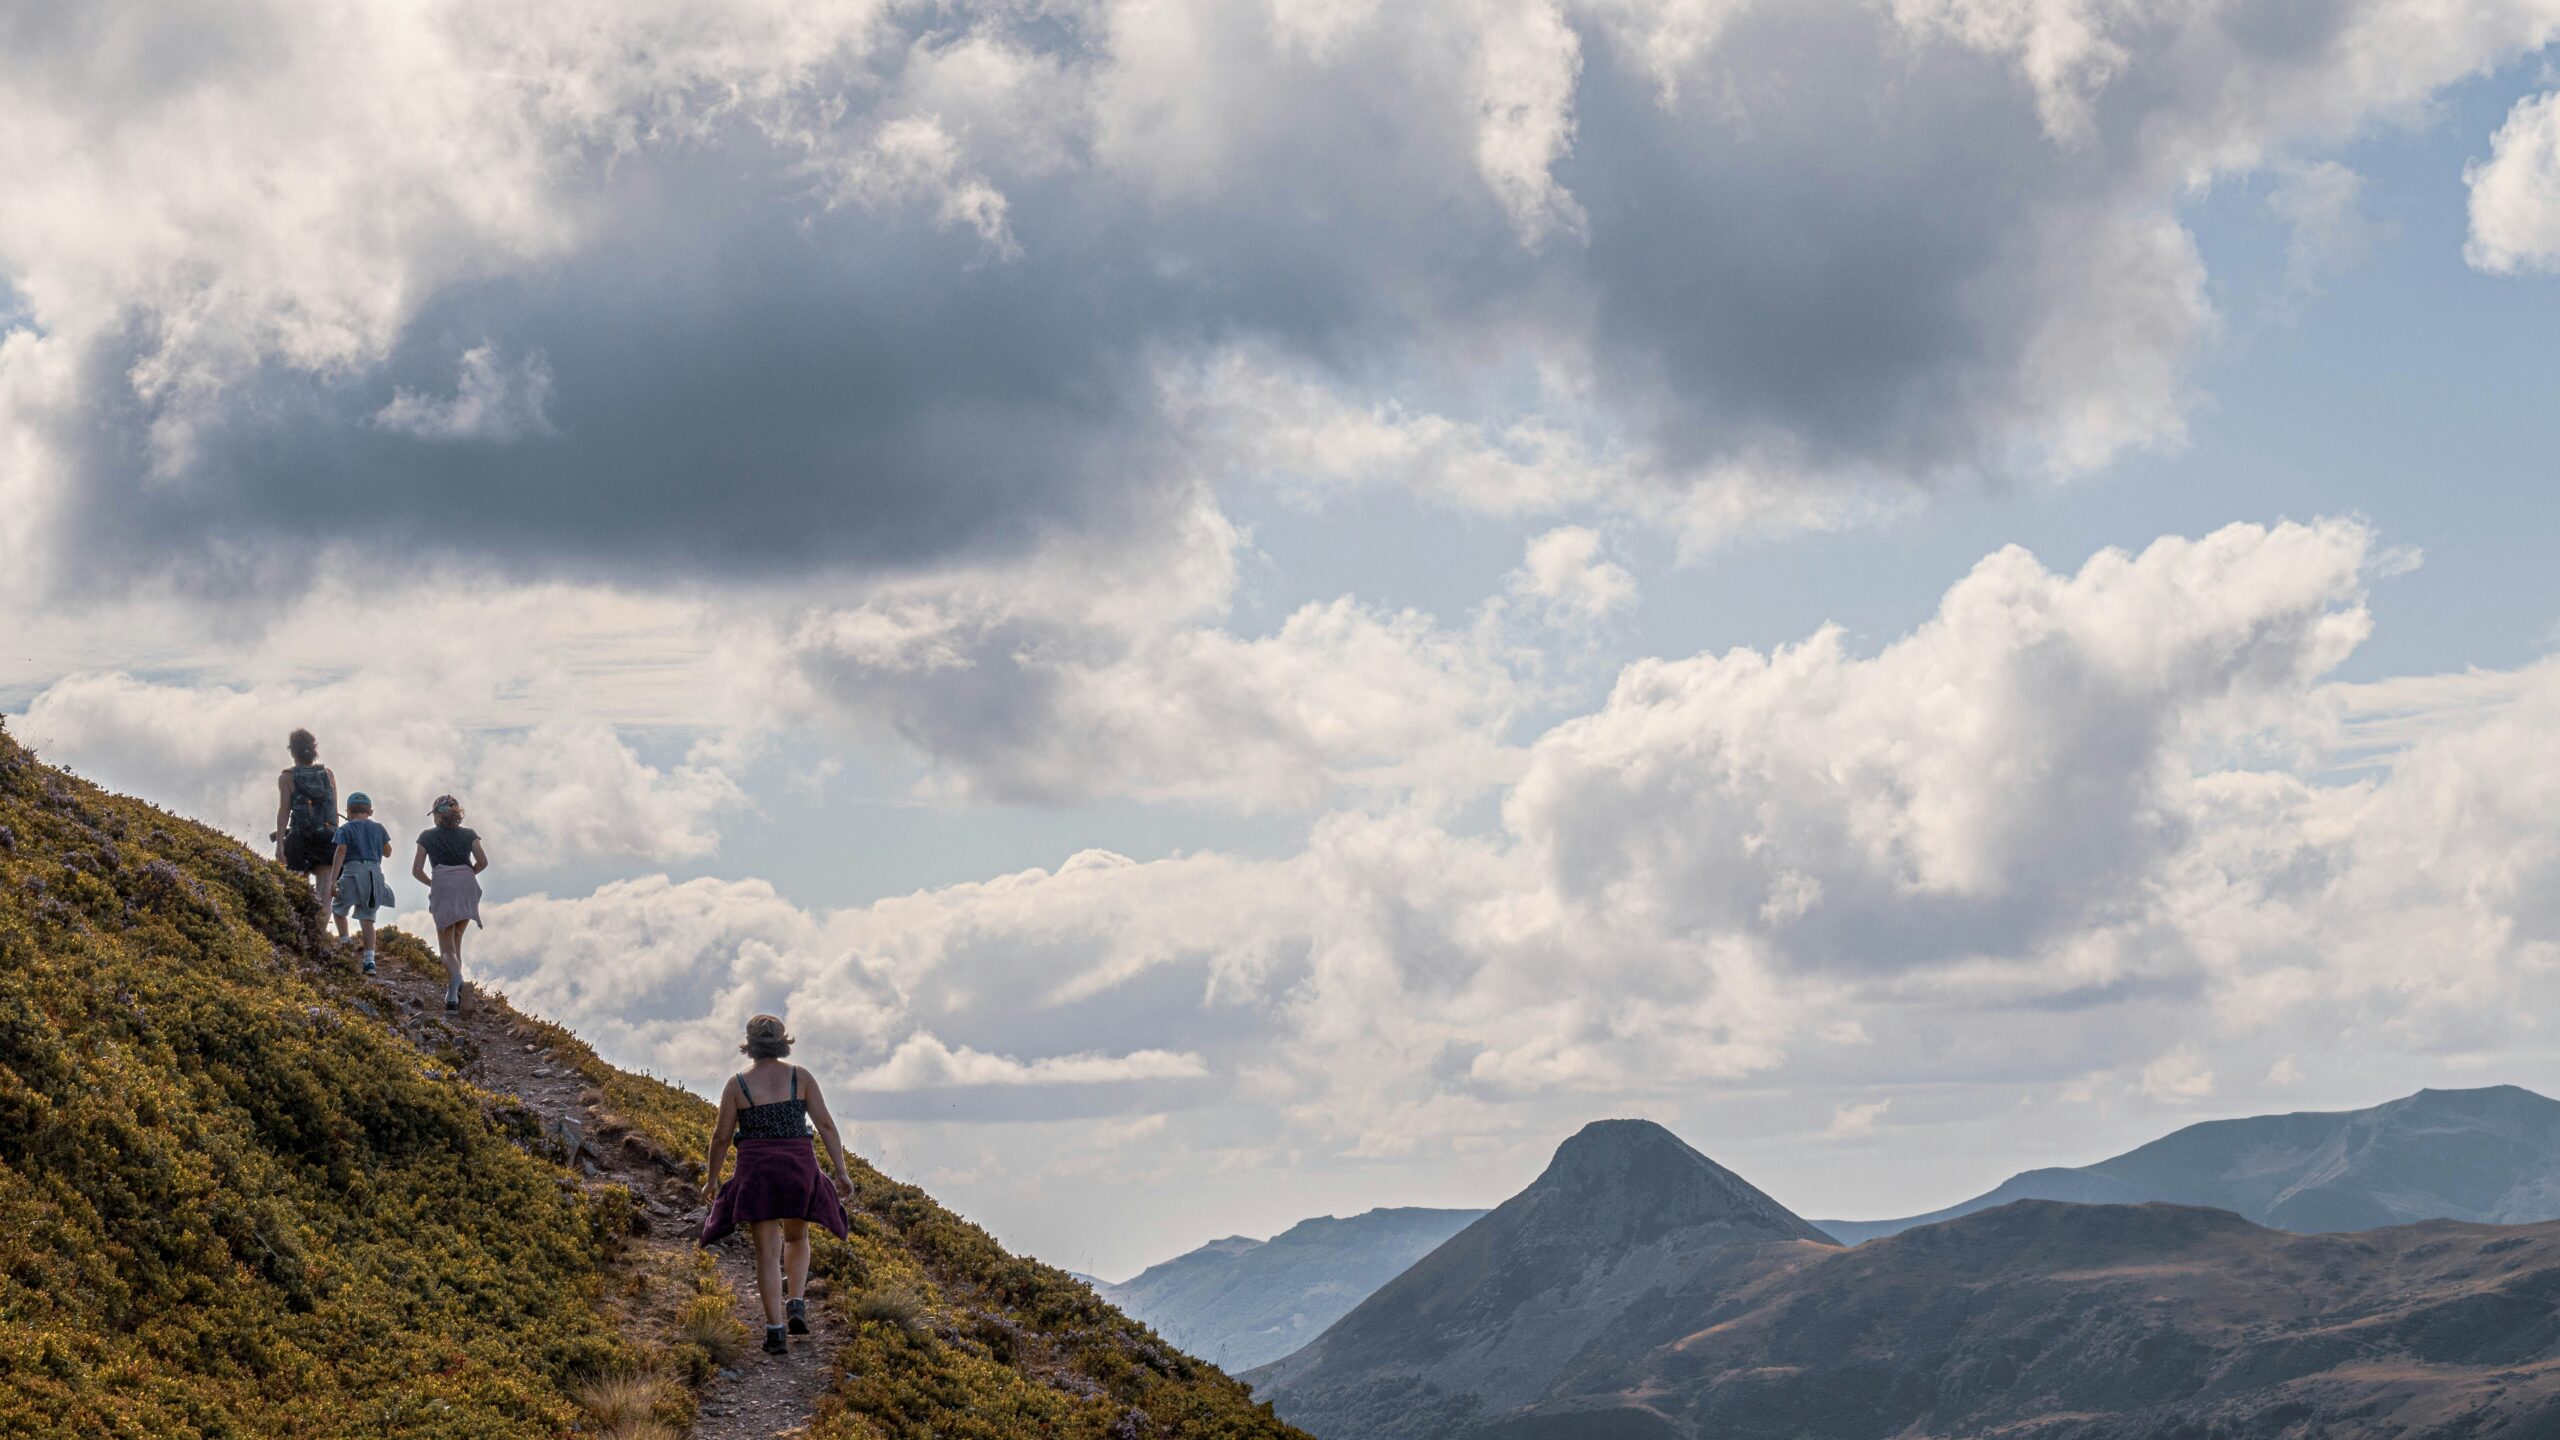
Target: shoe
798	1310
453	1004
774	1344
368	964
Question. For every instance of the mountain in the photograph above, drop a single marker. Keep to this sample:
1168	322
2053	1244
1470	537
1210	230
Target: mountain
2490	1155
1240	1302
1491	1319
2086	1322
245	1191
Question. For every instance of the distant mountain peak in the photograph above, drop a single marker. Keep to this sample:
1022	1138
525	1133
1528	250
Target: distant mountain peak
1624	1215
1636	1173
1608	1154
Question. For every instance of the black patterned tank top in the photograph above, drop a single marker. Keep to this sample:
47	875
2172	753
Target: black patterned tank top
777	1120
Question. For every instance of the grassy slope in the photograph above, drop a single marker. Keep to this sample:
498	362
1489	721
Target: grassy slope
236	1201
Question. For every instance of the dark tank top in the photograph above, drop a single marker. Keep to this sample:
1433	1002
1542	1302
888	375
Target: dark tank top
777	1120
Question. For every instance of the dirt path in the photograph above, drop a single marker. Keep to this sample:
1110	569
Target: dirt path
761	1395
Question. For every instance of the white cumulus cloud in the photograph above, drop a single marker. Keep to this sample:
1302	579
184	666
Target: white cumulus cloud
2515	193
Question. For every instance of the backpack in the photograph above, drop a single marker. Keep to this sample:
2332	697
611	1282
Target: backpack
314	815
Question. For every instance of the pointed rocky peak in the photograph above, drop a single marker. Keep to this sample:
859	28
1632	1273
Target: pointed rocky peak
1637	1177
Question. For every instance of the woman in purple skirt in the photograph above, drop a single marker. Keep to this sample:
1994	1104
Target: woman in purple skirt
769	1110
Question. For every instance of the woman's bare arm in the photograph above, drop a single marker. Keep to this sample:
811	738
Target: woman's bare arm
479	857
720	1137
284	808
826	1124
418	866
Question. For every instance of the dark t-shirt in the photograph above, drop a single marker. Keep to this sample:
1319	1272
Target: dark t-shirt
448	847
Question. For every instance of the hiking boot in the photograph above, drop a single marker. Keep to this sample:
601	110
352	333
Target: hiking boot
368	962
774	1344
798	1310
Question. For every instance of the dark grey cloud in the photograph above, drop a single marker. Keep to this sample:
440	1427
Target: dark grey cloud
1818	250
1847	247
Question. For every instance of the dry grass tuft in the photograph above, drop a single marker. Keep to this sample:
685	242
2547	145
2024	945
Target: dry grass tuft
625	1407
897	1307
711	1321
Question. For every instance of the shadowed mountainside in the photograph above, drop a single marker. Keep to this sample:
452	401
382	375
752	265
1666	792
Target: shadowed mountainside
2489	1155
245	1191
1488	1321
2081	1322
1241	1302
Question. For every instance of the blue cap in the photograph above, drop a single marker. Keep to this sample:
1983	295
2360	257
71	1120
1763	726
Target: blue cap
359	801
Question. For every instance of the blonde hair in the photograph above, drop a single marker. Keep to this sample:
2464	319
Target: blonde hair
766	1039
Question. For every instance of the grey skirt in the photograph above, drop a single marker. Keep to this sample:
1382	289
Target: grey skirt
454	896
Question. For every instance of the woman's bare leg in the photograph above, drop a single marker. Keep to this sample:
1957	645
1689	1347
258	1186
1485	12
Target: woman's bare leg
768	1237
449	941
795	1258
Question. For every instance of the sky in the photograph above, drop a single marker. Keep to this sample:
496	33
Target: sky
1243	609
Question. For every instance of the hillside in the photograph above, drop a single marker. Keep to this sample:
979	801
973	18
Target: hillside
1241	1302
1490	1320
246	1192
2489	1155
2079	1322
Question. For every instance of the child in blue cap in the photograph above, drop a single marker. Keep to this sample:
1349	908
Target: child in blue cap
356	873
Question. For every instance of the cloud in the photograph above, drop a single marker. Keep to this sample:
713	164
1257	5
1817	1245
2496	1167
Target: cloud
2082	830
1855	1119
531	702
921	1062
1563	568
2177	1077
1992	782
493	402
2322	203
744	292
2515	193
1066	680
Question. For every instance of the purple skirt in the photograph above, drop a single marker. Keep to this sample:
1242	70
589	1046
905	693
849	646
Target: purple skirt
776	1180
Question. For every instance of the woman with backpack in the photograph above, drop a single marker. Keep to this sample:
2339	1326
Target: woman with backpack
307	813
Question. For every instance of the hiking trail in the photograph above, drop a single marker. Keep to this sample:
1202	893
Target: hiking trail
755	1397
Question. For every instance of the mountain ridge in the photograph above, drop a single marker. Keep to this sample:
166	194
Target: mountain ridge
2105	1322
2058	1320
2489	1154
1238	1301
